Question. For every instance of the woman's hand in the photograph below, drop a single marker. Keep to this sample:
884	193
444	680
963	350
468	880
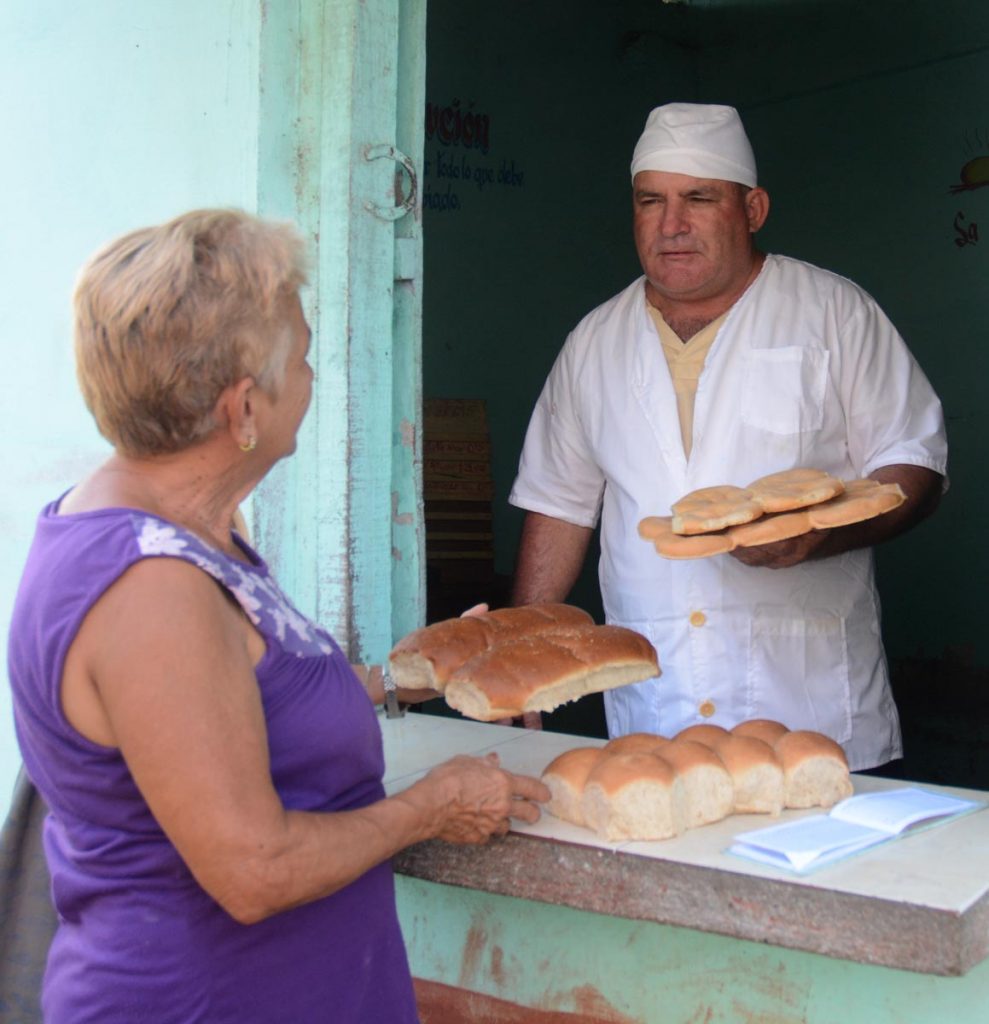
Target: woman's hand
470	799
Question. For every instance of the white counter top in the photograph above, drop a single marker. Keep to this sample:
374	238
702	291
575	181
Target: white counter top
942	870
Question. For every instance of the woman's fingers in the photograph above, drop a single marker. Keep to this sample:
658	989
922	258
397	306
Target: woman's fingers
485	798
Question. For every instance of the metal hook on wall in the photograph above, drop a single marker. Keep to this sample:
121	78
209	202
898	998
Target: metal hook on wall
407	204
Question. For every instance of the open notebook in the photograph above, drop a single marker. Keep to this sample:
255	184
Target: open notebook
851	826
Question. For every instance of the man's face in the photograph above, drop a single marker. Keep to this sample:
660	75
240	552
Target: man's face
694	235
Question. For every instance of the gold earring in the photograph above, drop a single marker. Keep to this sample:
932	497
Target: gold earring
252	443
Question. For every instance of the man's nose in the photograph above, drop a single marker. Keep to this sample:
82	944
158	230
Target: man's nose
674	220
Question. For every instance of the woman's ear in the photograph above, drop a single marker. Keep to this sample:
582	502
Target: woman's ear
236	412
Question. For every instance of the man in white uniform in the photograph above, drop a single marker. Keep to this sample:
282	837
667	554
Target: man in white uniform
718	366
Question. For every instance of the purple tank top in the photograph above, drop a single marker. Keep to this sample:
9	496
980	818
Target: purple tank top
138	939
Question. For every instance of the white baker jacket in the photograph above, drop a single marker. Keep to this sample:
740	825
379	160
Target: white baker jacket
805	371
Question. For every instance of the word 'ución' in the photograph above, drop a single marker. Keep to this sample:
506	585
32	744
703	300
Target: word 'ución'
452	126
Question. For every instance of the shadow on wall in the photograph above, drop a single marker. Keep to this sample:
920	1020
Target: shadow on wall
944	708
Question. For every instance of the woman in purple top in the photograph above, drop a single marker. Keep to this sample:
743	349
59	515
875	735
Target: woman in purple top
219	835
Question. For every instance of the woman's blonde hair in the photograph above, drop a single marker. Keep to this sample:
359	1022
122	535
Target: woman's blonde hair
169	316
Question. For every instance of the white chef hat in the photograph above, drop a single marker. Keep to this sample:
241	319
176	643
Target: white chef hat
699	139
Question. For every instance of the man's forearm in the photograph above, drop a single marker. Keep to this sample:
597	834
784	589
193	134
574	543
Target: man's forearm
923	490
551	555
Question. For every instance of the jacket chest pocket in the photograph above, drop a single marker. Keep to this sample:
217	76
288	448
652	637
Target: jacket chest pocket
783	389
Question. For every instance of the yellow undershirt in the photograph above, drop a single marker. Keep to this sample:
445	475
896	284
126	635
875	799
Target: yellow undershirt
685	360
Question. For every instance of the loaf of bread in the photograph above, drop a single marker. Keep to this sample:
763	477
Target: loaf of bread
504	663
643	786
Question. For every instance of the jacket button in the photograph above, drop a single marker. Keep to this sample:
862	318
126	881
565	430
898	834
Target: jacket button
706	709
697	618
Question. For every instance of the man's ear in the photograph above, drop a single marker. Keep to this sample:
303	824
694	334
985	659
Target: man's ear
756	207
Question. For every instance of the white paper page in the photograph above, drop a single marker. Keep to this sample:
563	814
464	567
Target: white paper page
896	809
801	843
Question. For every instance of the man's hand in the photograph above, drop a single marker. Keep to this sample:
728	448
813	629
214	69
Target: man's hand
923	490
782	554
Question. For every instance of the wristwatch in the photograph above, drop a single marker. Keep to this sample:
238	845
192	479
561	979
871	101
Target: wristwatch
392	708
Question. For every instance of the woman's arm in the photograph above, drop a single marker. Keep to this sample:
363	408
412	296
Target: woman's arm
168	661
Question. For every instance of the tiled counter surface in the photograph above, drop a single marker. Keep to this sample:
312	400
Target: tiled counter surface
920	903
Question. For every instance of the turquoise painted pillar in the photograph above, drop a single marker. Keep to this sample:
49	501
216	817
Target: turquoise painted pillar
340	153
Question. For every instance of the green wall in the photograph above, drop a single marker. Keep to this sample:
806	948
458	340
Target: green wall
552	963
861	115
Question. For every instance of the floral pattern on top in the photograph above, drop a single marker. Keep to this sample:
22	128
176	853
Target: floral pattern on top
263	602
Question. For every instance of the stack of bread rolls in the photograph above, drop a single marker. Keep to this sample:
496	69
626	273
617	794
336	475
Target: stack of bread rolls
646	787
715	520
504	663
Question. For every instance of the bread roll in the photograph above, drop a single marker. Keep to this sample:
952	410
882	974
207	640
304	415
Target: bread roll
770	529
756	774
704	733
815	770
565	777
636	743
659	529
541	672
634	796
863	499
765	729
794	488
714	508
426	658
708	791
